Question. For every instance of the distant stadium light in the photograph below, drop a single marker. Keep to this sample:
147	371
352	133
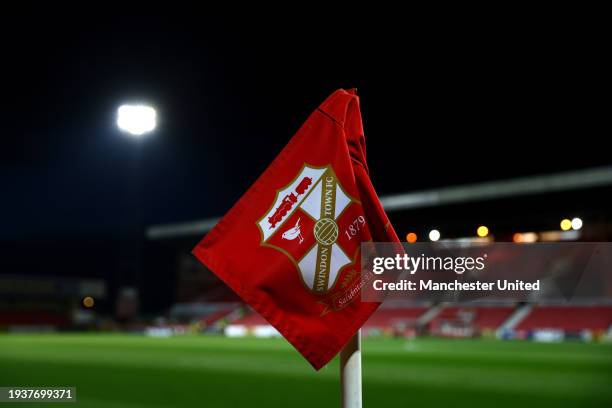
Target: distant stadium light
553	236
411	237
88	302
482	231
576	223
434	235
527	237
566	224
136	119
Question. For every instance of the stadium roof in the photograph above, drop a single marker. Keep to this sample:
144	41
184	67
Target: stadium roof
541	184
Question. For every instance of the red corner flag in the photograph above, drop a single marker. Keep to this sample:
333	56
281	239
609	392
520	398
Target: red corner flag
290	246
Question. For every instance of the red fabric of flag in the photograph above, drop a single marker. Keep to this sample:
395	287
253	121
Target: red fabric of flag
290	246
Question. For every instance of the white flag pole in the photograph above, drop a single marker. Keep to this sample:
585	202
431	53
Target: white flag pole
350	372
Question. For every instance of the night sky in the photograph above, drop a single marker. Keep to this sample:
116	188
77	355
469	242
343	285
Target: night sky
441	106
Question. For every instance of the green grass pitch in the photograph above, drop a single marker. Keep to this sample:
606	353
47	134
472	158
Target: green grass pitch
206	371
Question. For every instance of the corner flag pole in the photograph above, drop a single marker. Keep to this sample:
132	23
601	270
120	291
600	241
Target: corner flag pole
350	372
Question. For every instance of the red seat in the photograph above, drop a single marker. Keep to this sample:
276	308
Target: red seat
387	318
568	318
485	318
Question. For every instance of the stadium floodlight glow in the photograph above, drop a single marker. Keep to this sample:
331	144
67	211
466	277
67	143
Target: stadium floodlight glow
525	237
88	302
576	223
136	119
565	224
434	235
411	237
482	231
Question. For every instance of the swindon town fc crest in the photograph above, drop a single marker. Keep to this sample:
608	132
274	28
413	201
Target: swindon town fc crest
317	225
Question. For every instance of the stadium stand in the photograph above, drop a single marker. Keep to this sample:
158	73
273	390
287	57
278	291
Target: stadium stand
483	317
214	317
567	318
388	317
382	319
251	320
468	321
490	318
38	318
392	319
